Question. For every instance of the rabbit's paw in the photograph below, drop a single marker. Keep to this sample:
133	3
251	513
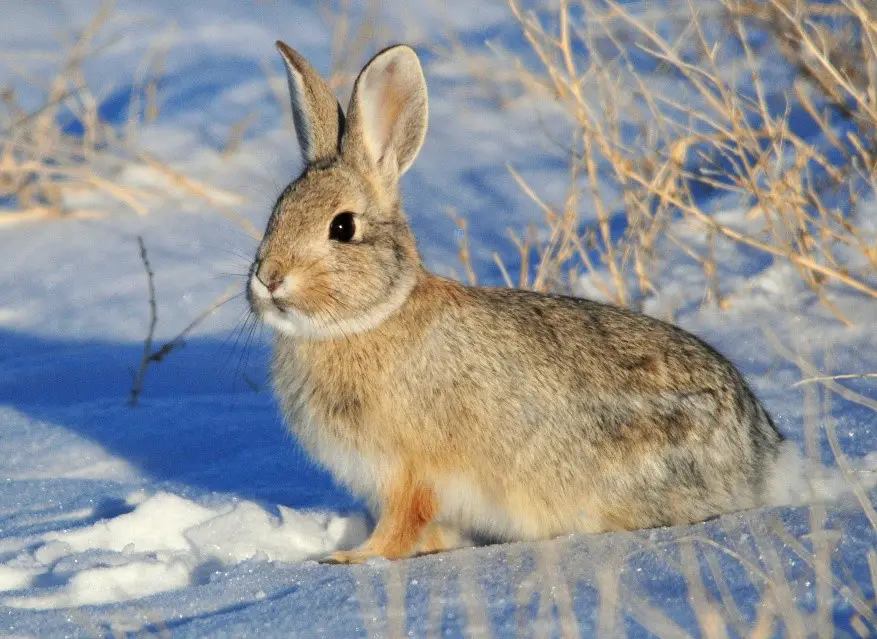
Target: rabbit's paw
349	557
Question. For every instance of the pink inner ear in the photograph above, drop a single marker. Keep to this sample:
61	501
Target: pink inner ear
390	103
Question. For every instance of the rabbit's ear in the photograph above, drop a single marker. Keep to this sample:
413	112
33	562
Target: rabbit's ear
318	118
388	111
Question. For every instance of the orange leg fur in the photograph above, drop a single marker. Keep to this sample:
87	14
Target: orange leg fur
409	507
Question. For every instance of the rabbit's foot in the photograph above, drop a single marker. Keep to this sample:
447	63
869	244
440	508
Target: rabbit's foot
347	557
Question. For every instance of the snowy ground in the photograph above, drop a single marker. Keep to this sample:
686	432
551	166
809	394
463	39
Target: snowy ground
195	514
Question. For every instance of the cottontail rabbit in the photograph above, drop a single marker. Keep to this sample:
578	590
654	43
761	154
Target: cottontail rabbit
502	413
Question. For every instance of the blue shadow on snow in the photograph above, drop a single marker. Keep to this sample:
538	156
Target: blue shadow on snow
198	423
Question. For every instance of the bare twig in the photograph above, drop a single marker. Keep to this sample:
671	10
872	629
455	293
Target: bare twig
157	355
180	339
137	385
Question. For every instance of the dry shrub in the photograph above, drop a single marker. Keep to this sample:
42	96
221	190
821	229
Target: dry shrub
665	104
47	172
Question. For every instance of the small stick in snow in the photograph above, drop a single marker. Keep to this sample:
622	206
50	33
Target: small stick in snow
137	386
179	341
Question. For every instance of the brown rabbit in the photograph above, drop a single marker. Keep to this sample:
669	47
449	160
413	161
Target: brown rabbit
452	409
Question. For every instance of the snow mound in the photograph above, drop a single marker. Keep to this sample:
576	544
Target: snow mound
163	543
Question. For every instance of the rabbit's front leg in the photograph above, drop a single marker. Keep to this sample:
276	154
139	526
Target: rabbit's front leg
409	506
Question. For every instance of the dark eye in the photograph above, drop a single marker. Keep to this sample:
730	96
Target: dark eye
343	227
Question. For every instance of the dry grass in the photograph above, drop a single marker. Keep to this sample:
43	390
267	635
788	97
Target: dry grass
47	172
654	114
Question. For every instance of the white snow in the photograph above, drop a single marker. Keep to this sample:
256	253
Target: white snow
196	513
160	545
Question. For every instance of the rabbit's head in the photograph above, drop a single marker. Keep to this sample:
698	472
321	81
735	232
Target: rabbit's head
338	256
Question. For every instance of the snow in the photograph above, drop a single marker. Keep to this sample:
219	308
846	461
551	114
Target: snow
197	514
161	544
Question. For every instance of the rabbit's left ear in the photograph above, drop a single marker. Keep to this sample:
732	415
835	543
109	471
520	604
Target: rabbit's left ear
387	117
316	113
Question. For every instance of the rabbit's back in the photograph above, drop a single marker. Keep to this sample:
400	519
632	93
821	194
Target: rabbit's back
575	399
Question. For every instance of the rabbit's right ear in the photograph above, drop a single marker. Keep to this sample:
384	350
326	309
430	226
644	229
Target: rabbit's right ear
318	118
387	116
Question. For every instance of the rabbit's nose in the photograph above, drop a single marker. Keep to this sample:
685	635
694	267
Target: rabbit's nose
270	274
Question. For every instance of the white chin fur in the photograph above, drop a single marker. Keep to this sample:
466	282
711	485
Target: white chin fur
295	323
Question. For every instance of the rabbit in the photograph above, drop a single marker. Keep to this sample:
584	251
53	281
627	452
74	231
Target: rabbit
461	412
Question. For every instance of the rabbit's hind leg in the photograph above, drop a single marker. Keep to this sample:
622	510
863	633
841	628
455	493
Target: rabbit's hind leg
438	537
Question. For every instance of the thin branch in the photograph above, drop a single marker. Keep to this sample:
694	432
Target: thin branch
137	386
180	340
157	355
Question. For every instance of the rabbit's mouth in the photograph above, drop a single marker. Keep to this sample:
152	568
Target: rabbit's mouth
261	299
286	318
278	312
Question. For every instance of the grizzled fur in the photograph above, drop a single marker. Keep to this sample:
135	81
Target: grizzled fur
457	410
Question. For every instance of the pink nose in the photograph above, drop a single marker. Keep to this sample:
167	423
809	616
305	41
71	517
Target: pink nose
271	275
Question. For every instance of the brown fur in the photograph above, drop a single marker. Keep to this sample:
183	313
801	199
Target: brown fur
499	412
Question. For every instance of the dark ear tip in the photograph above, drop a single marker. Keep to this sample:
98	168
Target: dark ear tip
285	50
399	51
399	48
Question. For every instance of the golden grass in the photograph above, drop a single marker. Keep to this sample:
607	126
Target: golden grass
802	204
46	173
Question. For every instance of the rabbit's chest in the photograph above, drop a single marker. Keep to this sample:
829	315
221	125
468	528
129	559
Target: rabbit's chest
362	472
320	401
331	425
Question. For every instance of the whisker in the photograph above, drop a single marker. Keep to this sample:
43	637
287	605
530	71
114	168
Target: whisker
236	333
223	274
244	358
248	324
232	251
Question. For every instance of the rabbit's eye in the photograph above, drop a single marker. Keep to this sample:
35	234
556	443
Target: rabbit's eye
343	227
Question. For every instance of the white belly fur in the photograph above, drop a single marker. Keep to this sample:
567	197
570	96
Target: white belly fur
463	505
364	475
